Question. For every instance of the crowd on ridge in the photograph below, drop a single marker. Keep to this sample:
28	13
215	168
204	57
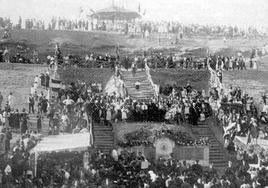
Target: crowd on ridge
159	60
153	60
145	28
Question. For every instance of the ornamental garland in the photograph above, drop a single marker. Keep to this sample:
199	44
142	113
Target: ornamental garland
146	137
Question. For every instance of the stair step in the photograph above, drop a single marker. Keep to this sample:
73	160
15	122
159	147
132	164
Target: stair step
103	144
216	154
145	91
107	136
103	129
103	137
107	140
219	163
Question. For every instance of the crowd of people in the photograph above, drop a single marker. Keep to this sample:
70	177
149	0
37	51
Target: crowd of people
159	60
15	170
240	115
182	105
130	169
189	30
146	28
120	168
68	109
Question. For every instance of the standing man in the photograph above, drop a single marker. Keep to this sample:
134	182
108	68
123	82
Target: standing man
31	103
10	99
39	123
8	138
194	114
24	121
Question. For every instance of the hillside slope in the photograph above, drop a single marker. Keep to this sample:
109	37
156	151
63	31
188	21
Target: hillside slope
18	78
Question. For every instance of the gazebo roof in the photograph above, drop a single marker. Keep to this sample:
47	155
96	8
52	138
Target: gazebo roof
116	13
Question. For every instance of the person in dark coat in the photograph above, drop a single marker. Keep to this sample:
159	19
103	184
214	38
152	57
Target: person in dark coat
7	140
39	123
194	114
16	119
24	122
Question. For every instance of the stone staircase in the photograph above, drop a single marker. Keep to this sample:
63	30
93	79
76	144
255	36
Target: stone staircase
103	137
217	154
33	124
146	89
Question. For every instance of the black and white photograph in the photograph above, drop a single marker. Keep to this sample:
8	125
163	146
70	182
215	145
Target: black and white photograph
133	93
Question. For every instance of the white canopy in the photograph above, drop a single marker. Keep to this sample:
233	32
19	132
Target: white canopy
72	142
261	142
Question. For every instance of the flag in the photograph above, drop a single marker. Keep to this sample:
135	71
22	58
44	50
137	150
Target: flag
139	8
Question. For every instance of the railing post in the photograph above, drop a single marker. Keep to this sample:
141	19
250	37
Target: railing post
147	70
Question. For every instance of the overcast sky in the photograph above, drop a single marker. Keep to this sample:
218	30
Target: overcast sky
227	12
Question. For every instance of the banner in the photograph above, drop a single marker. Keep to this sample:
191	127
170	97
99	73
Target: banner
55	84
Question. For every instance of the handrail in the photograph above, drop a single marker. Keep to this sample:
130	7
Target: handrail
89	120
147	70
214	79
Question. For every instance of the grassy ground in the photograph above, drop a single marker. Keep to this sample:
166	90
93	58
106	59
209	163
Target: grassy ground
254	82
81	43
70	42
89	75
18	78
197	78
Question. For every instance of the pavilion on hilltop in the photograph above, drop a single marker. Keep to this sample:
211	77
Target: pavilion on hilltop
114	18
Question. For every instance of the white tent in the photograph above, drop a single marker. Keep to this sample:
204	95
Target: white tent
70	142
57	143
